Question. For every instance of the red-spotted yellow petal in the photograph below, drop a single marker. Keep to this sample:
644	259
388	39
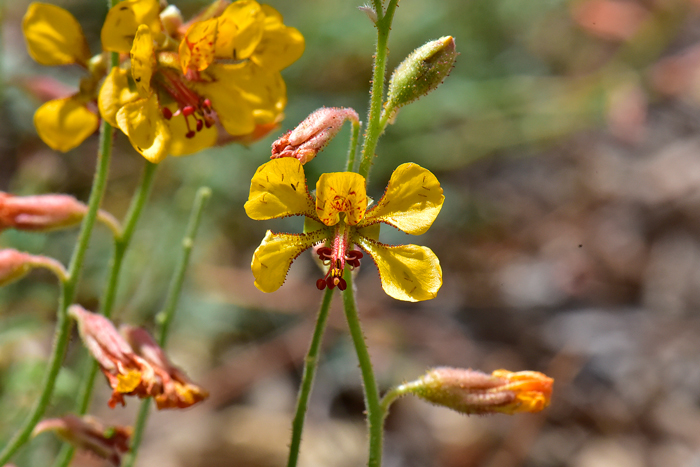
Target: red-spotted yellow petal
65	123
408	272
280	46
264	91
241	28
143	60
123	20
274	256
143	122
234	112
180	145
54	36
278	189
412	200
197	47
340	192
114	94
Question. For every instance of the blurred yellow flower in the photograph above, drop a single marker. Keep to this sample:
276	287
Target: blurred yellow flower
194	85
54	37
339	219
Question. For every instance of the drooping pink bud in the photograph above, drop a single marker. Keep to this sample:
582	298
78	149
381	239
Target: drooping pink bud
312	135
143	371
40	212
474	392
89	434
14	265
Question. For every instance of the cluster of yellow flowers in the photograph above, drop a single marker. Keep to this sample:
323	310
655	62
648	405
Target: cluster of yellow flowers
186	86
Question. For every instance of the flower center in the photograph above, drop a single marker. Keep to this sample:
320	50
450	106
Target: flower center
337	256
189	103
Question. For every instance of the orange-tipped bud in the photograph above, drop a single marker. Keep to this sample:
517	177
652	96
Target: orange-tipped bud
474	392
312	135
40	213
14	265
144	372
89	434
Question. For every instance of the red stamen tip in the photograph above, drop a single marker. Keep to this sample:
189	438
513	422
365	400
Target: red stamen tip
167	113
321	284
200	125
187	111
190	134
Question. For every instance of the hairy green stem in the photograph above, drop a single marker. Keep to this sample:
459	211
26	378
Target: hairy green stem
165	317
121	244
352	150
375	416
374	128
307	379
63	323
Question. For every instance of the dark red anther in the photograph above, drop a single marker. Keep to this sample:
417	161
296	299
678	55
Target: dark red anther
324	253
342	285
190	134
208	123
200	125
167	113
321	284
206	104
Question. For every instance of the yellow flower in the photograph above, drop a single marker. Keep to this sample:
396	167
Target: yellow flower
54	37
339	218
212	81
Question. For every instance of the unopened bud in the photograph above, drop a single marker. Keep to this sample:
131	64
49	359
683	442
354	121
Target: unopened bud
474	392
14	265
312	135
40	213
89	434
420	73
43	213
171	18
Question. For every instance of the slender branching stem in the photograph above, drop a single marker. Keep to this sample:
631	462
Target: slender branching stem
121	243
374	410
374	128
307	379
165	317
68	289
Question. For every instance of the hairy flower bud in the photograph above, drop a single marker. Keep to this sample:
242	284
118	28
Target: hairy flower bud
89	434
474	392
312	135
14	265
40	213
420	73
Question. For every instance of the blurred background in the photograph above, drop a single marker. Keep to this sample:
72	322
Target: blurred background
567	141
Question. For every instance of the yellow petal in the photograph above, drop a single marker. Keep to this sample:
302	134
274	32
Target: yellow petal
264	91
180	145
65	123
412	200
143	60
280	45
241	25
124	19
114	94
128	382
341	192
274	256
278	189
54	36
197	47
143	122
408	272
234	112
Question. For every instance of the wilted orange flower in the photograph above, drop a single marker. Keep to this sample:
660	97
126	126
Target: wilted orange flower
144	372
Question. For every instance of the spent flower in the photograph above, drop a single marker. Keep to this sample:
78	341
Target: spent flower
339	219
108	442
134	372
14	265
